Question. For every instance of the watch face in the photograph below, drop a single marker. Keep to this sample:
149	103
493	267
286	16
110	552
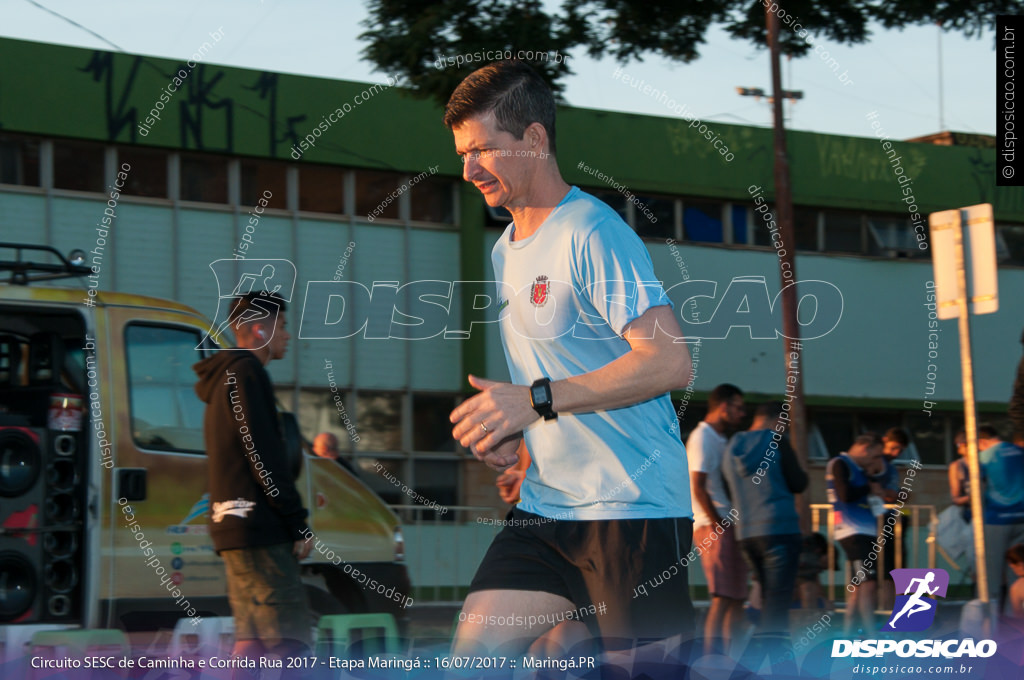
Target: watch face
539	394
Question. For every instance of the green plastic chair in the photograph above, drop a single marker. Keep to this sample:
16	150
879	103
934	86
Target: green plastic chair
79	643
337	635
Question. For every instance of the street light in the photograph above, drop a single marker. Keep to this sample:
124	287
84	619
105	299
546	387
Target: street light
757	93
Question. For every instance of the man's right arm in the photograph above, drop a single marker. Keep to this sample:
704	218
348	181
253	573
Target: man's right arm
698	483
795	476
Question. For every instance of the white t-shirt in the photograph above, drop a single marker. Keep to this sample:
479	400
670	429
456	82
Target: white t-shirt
704	449
565	295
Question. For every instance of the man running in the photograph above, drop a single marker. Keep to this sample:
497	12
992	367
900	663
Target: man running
589	335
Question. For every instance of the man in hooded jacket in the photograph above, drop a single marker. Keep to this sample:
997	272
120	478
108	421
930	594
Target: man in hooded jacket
762	473
257	521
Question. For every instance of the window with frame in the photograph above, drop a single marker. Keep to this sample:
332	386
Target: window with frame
380	475
322	189
932	436
19	161
654	217
612	199
379	421
805	228
166	413
740	223
892	235
374	191
844	232
259	177
702	221
1010	244
431	429
321	410
148	174
836	429
431	201
204	179
437	482
78	166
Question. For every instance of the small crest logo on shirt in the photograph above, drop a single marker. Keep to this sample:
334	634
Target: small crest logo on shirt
539	291
915	608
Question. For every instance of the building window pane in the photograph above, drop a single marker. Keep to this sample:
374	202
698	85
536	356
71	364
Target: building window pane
374	191
431	429
836	429
843	233
762	220
431	201
78	166
259	177
613	200
319	411
740	223
805	225
929	435
495	217
379	421
378	473
204	179
702	221
893	236
659	218
19	161
1011	243
148	174
437	481
878	421
322	189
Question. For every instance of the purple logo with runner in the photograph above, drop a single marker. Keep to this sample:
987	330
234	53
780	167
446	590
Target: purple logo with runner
915	608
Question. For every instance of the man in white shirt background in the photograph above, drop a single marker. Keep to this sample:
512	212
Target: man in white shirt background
722	561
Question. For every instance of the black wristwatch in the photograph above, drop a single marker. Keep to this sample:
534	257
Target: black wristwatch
540	398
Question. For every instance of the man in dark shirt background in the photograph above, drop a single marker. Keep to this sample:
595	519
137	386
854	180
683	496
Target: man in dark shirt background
762	473
257	522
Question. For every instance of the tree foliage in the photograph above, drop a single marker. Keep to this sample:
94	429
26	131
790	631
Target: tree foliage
406	37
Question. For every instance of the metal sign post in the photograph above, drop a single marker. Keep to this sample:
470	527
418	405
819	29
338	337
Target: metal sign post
952	297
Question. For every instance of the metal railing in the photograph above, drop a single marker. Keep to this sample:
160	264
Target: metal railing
442	551
914	557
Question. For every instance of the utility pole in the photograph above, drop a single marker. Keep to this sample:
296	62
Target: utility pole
787	260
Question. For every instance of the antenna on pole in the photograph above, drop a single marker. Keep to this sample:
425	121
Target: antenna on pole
942	117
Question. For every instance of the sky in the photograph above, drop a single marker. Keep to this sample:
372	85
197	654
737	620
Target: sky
896	74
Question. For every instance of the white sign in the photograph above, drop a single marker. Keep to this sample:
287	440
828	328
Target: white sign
979	259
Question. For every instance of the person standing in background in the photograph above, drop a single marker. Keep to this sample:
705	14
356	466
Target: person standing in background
257	520
850	491
325	445
1016	409
1002	501
723	564
762	474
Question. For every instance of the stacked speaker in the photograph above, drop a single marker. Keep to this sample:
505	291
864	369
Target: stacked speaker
42	504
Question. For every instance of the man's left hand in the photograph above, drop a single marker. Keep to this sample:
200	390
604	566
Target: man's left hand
503	408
